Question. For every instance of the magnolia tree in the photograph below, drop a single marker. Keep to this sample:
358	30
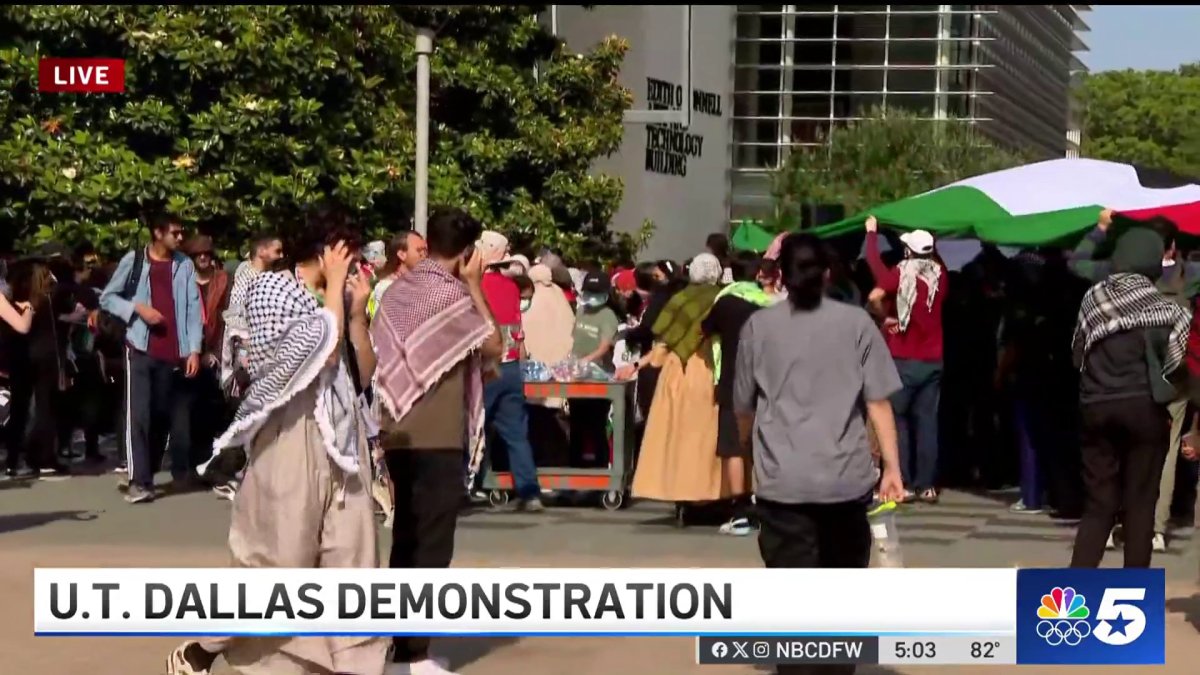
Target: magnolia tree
886	157
241	118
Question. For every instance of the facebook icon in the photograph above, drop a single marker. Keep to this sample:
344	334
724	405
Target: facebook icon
1091	616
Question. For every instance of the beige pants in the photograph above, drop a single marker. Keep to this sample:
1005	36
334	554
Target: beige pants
295	508
1166	488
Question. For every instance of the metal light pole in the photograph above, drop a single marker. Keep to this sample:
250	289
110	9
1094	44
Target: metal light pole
421	207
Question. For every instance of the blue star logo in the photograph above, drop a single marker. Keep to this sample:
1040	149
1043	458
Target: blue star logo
1118	624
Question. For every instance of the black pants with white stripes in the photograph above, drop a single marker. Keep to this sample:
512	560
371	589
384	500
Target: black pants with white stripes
156	408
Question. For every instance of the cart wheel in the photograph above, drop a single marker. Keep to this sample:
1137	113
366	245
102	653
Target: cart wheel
680	516
613	500
497	498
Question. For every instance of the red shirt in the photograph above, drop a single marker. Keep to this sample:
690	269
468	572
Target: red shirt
923	339
504	298
163	344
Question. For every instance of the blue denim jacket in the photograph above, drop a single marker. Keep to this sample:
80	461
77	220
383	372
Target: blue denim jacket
187	303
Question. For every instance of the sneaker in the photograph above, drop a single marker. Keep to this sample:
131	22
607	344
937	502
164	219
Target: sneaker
531	505
909	497
1159	543
738	527
1020	507
1111	544
190	659
137	494
226	491
426	667
121	468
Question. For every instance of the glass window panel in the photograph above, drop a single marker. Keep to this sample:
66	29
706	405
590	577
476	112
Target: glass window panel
918	103
809	131
755	105
862	105
810	105
907	79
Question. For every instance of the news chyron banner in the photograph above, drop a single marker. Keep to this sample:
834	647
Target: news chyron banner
739	616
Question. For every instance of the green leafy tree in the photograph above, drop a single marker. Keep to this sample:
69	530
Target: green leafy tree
1144	117
886	157
239	118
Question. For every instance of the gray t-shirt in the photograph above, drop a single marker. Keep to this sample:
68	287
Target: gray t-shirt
806	376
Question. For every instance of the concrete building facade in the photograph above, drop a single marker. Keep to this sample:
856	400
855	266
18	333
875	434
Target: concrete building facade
764	79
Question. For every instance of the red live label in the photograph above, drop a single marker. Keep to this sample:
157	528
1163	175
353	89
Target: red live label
81	75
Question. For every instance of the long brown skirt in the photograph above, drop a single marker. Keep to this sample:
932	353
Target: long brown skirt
678	460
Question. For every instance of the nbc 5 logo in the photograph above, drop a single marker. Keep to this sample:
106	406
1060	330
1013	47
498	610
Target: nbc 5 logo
1120	623
1063	617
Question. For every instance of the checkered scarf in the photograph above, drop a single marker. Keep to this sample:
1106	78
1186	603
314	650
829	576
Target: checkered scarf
291	341
1124	302
426	325
235	321
929	271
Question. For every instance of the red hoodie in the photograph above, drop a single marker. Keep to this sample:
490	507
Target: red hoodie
923	339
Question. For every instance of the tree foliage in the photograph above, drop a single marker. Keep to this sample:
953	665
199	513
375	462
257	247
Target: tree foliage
888	156
1144	117
240	118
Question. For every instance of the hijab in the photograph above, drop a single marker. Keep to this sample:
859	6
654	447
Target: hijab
549	323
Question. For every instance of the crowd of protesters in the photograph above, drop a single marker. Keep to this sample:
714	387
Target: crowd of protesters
321	381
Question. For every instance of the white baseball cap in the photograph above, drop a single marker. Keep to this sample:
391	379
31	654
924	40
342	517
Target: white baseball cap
918	241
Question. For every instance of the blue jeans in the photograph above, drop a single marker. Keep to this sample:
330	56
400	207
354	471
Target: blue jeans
507	421
916	408
1028	441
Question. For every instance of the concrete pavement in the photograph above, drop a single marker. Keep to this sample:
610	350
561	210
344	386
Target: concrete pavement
83	522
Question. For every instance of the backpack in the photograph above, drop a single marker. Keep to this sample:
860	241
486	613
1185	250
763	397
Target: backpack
110	329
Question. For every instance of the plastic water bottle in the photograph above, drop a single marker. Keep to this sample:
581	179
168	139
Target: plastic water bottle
886	538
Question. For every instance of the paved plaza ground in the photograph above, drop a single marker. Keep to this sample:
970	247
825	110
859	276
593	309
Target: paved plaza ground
83	522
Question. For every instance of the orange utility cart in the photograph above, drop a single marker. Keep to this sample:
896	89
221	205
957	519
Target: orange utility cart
613	481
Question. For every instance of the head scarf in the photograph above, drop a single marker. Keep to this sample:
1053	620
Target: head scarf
236	327
925	269
1127	301
493	246
291	342
426	325
549	323
705	269
678	325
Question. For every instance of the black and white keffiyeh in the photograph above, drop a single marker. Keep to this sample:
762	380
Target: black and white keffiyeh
929	271
1124	302
291	339
236	327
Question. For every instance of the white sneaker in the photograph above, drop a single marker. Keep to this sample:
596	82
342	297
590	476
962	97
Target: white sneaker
1159	543
426	667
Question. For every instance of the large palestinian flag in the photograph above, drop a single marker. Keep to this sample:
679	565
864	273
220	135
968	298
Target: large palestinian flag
1040	203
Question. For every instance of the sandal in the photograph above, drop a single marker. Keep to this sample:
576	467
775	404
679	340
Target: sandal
929	496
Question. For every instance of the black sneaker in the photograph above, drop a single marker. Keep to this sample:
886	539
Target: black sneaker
531	505
136	494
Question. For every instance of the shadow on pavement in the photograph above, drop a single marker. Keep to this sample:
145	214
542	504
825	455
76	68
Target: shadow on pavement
1188	607
465	651
27	521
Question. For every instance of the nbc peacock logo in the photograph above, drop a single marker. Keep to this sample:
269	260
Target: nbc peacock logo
1063	617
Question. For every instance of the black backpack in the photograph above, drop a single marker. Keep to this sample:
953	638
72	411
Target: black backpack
110	329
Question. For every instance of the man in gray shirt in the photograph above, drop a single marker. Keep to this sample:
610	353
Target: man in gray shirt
810	371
